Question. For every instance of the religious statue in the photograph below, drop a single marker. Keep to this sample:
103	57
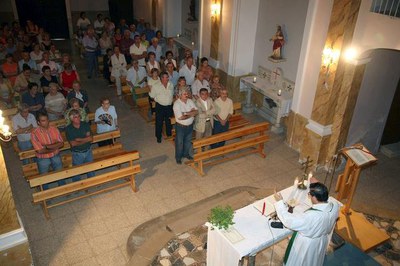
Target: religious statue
279	41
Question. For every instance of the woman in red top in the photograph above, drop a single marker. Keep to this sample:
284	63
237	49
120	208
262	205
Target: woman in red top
10	69
67	77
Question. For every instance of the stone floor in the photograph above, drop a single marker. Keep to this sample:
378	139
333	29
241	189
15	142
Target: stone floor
95	230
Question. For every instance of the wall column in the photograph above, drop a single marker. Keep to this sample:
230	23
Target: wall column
334	98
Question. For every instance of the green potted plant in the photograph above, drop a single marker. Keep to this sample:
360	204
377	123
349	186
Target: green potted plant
221	217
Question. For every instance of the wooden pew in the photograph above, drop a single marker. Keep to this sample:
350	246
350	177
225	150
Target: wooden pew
30	170
242	141
118	167
96	138
62	122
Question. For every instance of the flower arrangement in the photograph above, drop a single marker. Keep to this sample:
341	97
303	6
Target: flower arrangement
221	217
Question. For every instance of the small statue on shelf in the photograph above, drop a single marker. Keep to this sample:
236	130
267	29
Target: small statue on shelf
279	41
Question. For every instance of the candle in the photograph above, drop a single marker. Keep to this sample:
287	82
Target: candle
263	209
296	182
309	175
254	79
279	92
177	35
192	43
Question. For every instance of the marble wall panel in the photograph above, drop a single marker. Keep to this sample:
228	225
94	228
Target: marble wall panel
8	214
296	125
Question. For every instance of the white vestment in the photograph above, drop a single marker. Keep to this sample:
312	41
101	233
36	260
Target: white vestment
313	227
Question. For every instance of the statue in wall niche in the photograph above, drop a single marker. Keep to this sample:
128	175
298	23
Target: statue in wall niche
279	41
192	11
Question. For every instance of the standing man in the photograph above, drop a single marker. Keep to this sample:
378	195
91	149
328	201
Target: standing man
224	106
90	45
125	45
172	74
188	71
79	136
47	141
162	92
312	228
118	69
138	51
185	111
199	83
204	120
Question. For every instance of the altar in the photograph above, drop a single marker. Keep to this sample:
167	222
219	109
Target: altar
252	231
277	96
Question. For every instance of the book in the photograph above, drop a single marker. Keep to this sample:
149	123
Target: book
360	155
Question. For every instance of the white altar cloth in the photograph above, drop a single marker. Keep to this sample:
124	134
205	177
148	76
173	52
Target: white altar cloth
254	227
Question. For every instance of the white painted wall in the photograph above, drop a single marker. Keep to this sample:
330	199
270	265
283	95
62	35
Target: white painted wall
172	11
375	31
226	33
206	31
313	41
89	5
243	36
291	15
378	87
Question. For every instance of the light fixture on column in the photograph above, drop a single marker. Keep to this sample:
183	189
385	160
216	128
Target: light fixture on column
5	134
215	10
330	57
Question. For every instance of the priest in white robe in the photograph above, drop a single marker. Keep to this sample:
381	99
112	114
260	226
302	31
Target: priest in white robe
312	229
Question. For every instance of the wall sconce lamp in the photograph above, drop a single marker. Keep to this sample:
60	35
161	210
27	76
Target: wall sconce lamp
5	134
329	58
215	9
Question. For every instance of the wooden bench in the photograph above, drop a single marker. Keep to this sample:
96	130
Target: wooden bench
62	122
242	141
31	169
122	167
96	138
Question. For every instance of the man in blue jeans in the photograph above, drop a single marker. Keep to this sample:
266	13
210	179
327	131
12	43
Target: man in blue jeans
47	141
184	110
79	136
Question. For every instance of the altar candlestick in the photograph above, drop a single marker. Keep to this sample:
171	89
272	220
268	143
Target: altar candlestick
254	79
263	209
279	92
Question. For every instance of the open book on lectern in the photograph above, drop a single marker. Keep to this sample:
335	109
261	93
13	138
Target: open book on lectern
360	155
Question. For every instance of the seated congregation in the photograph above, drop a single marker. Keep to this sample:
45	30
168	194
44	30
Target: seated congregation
59	140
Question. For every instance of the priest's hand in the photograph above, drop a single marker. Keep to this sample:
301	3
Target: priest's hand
278	196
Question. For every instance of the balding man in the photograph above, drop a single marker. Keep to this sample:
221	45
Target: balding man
155	48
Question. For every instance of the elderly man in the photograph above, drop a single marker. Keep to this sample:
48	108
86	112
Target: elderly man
204	120
136	77
188	71
23	124
132	29
199	83
47	141
312	228
162	92
185	111
224	107
125	44
138	51
155	48
79	136
50	63
90	45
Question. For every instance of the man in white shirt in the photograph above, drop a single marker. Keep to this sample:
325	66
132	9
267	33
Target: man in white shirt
136	77
224	107
185	111
162	92
199	83
312	228
118	64
23	123
188	71
204	120
138	51
99	25
173	75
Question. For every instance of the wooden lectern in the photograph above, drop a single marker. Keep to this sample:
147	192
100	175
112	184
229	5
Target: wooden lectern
353	226
358	158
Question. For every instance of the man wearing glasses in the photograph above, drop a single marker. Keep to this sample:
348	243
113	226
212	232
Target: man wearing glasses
312	229
80	138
